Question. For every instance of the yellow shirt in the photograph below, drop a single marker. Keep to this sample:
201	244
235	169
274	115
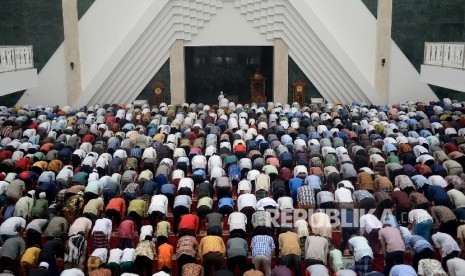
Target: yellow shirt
31	256
210	244
289	244
138	206
163	228
94	206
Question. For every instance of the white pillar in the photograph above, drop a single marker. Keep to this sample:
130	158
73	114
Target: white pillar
177	73
383	49
280	71
71	44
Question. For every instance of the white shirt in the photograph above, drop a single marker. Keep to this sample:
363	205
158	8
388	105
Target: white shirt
104	225
457	198
252	174
437	180
343	195
244	185
11	225
369	222
359	245
245	163
72	272
424	158
149	153
102	161
115	256
186	182
128	254
300	169
199	162
178	174
145	230
246	200
120	153
101	253
65	173
217	172
267	201
302	227
158	203
418	216
237	220
37	224
81	224
285	202
3	186
90	160
456	267
445	243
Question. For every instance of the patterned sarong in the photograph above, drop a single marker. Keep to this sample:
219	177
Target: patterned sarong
99	240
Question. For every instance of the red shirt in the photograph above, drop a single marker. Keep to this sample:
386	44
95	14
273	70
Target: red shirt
285	174
189	221
126	229
239	148
23	163
117	204
110	119
46	147
6	154
88	138
33	126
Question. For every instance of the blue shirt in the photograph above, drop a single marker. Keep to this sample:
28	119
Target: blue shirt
313	181
389	147
417	243
295	183
225	201
262	245
168	189
402	270
420	180
436	193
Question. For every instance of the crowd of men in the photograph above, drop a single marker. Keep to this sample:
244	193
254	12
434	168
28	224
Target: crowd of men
205	190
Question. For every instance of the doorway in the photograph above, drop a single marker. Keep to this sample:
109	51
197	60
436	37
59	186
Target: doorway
212	69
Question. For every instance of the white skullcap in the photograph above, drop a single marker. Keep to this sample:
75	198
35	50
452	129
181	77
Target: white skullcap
42	195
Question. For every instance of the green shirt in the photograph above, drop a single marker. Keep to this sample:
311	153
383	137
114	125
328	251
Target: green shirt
137	205
39	208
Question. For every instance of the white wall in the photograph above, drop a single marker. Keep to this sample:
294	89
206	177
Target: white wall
228	28
445	77
107	31
15	81
51	83
353	28
351	25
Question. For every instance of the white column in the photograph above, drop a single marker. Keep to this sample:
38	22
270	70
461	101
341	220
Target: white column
72	56
177	73
383	49
280	71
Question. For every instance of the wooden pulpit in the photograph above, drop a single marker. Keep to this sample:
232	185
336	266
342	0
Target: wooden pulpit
257	88
158	93
299	92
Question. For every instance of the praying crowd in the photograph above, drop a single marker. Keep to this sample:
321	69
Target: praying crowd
191	190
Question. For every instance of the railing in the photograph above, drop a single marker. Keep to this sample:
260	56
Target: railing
445	54
14	58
